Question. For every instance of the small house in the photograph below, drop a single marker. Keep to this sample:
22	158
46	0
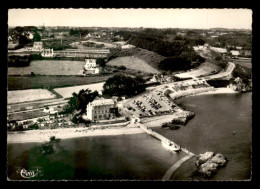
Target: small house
235	53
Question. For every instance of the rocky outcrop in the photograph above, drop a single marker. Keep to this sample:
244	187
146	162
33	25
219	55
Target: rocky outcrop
240	86
219	159
203	158
208	168
208	163
183	117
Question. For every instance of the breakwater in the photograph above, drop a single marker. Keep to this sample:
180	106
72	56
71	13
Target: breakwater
171	145
175	166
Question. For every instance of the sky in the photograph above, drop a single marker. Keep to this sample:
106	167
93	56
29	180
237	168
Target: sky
152	18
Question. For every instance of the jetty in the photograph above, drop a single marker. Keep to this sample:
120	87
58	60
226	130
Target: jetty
170	145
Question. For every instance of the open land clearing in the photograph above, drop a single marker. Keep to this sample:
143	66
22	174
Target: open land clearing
19	96
49	67
66	92
134	63
24	82
150	57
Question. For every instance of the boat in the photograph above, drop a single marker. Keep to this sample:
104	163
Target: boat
171	146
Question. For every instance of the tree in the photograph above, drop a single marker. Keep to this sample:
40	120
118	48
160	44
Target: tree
79	101
83	32
124	85
23	40
36	37
175	64
71	105
122	67
101	62
85	97
74	32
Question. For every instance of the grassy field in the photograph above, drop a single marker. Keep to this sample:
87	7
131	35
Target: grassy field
66	92
18	82
49	67
151	58
28	95
134	63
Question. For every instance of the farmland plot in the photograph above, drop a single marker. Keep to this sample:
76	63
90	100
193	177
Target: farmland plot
49	67
66	92
134	63
19	96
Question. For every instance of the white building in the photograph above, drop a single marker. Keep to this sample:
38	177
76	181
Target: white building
128	46
239	48
47	53
101	109
235	53
219	50
37	46
91	67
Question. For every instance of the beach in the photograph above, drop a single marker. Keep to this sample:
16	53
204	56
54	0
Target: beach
65	133
222	90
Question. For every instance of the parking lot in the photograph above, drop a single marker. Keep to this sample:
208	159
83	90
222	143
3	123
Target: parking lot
149	103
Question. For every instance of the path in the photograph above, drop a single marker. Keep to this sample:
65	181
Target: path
175	166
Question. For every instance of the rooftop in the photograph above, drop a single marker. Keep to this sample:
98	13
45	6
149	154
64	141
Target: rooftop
101	102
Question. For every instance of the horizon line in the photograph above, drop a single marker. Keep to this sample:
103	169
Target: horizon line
132	27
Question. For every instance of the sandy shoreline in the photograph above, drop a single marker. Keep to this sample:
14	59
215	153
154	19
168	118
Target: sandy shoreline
222	90
66	133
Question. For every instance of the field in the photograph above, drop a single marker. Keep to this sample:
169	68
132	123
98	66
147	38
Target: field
151	58
244	62
49	67
134	63
66	92
19	82
27	115
28	95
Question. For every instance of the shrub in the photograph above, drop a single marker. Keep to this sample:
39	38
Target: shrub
34	126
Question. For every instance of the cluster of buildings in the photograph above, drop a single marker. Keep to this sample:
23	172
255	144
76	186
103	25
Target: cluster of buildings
237	51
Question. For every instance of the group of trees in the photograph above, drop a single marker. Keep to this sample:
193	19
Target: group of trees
79	101
124	85
79	32
21	34
179	50
235	39
175	63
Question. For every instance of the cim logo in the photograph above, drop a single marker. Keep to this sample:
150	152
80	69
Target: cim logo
30	173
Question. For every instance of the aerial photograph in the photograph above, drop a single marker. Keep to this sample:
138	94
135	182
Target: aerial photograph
129	94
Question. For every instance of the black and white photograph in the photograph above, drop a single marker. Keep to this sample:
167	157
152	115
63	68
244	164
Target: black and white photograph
129	94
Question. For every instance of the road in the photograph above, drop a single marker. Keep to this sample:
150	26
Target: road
226	73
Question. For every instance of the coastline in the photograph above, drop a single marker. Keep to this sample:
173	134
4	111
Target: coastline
222	90
67	133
